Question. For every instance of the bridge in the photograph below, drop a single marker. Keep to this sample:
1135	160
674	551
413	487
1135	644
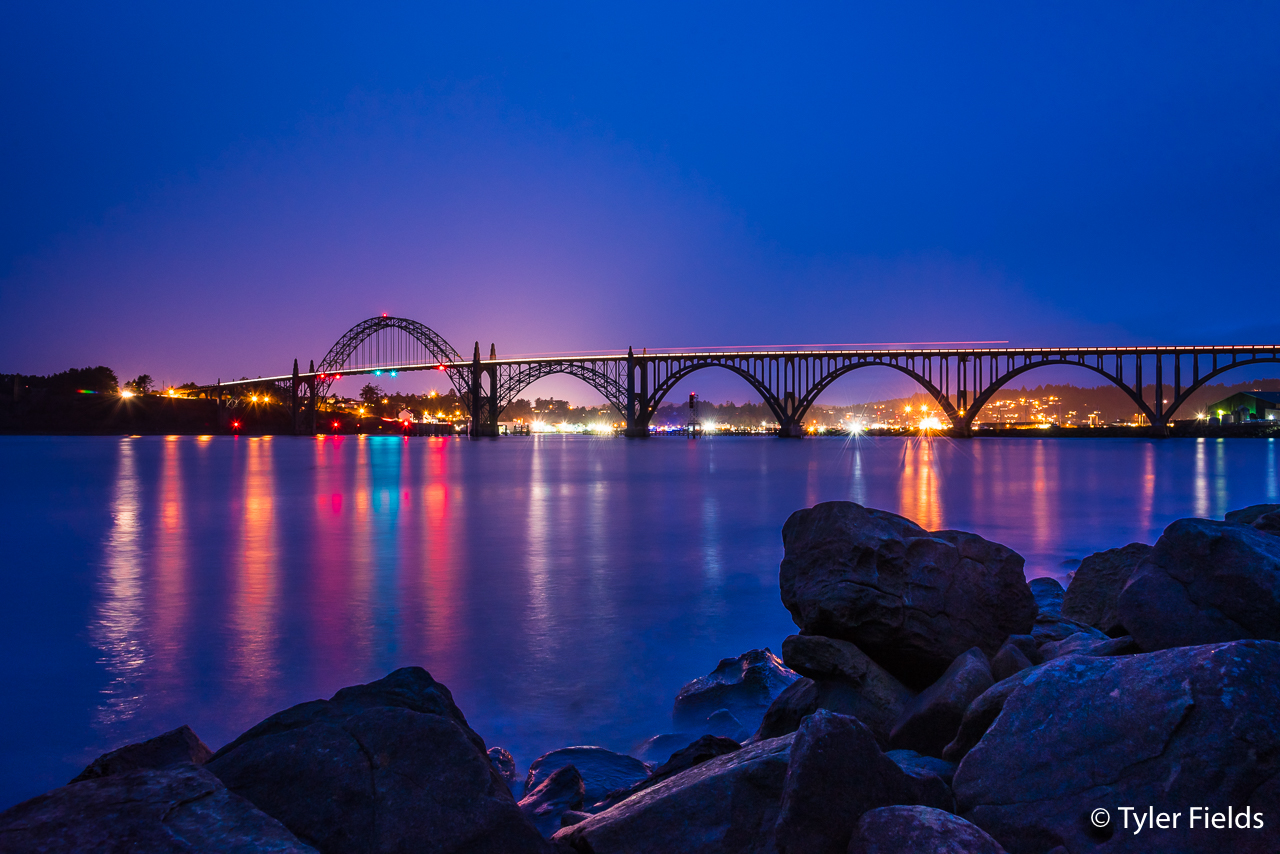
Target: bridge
790	381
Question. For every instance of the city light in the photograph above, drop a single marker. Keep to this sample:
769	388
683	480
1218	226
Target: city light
126	393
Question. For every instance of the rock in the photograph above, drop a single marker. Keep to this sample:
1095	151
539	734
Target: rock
836	774
560	792
912	830
909	599
181	808
705	749
728	805
571	817
981	713
1049	629
1181	727
603	771
1269	523
1026	645
1008	661
1048	594
877	698
1249	515
658	749
725	725
783	717
1082	644
745	686
1204	582
910	761
505	765
1091	596
378	767
176	746
931	721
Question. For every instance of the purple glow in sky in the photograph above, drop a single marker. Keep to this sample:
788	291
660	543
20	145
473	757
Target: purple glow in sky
204	193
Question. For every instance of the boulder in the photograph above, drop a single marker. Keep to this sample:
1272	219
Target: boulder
877	698
1026	645
1008	661
176	746
603	771
910	599
1091	596
1048	594
931	720
379	767
793	705
706	748
1049	628
505	765
559	793
1082	644
1204	582
744	686
658	749
836	774
1269	523
181	808
1252	513
912	830
728	805
982	713
723	724
1177	728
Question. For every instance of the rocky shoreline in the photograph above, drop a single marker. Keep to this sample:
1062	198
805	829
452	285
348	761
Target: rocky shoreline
932	701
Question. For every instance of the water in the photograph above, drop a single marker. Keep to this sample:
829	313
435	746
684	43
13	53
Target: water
564	588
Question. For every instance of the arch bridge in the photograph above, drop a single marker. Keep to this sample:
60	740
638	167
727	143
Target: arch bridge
1158	380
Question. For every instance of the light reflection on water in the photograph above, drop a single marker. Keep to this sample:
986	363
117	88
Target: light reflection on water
564	588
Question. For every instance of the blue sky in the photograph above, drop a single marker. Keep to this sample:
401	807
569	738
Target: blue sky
211	191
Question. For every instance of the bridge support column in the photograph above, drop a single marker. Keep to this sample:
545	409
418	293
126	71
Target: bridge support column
790	427
637	403
491	425
293	401
311	401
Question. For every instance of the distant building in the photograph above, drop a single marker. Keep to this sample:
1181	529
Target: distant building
1247	406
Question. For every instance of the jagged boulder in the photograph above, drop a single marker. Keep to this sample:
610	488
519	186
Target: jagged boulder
728	805
744	686
559	793
1091	596
1251	514
981	713
180	808
1194	726
174	747
603	771
932	720
915	830
1268	523
874	696
910	599
1204	582
704	749
1008	661
378	767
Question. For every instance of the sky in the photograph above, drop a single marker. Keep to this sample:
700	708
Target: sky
205	191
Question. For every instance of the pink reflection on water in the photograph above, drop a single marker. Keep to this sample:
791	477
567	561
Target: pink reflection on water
255	571
329	585
918	492
170	607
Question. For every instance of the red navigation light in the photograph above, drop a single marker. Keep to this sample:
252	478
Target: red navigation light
335	425
384	314
235	425
440	367
337	376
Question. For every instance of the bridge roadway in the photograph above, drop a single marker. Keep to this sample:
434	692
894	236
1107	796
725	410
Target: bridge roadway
790	381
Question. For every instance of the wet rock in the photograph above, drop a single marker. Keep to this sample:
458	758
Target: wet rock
1082	644
560	792
176	746
910	599
1008	661
836	774
1249	515
603	771
723	724
505	765
1091	596
1269	523
728	805
1187	726
181	808
744	686
704	749
378	767
931	721
658	749
875	697
912	830
1204	582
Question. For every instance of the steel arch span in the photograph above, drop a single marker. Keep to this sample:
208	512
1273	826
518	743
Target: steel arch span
390	342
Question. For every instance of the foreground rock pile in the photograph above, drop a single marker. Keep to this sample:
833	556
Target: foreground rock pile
932	701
